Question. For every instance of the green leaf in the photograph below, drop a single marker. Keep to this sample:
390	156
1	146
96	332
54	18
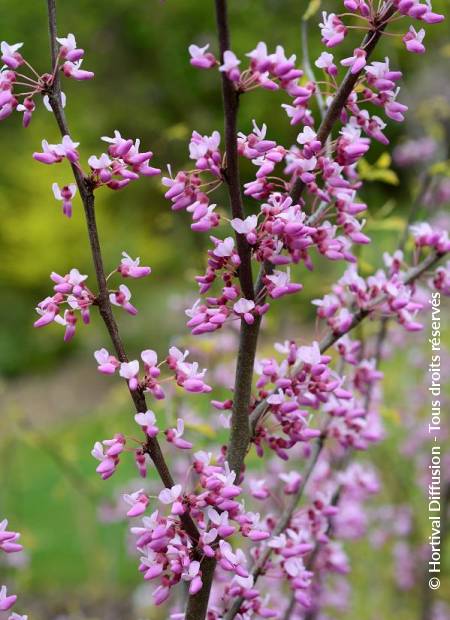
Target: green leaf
311	10
379	171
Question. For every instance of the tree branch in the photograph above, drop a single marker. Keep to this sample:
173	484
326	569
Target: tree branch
152	446
412	275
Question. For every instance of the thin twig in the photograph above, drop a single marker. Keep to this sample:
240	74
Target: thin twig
412	275
152	446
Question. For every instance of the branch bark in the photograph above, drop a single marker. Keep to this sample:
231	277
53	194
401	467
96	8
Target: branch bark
152	446
248	337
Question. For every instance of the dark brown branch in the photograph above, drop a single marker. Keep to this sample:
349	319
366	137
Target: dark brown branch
240	433
230	98
152	446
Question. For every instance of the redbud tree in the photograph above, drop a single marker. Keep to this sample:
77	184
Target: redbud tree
214	544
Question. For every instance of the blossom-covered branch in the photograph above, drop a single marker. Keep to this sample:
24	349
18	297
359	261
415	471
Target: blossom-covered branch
102	300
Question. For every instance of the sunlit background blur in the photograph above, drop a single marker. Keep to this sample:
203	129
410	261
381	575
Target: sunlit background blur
53	403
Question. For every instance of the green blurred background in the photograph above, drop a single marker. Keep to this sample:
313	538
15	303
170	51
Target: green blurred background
53	405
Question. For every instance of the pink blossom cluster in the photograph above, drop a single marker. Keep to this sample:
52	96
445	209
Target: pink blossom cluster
72	296
382	294
168	555
9	544
186	374
116	169
18	90
189	189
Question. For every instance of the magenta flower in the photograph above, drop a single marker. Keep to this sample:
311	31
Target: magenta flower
73	70
279	284
332	29
6	602
413	40
65	194
107	452
175	436
10	56
357	62
172	496
107	364
8	540
200	58
220	520
132	268
27	107
130	371
54	153
244	308
193	576
230	66
68	49
246	227
122	298
147	421
138	502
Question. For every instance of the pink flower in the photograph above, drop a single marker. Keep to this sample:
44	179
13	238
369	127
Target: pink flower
28	107
172	496
8	540
225	248
131	268
193	575
357	62
107	452
279	284
72	70
6	602
292	480
65	194
129	371
413	40
220	520
138	502
325	62
147	421
200	58
189	377
54	153
244	308
246	227
107	364
122	298
175	436
230	66
10	56
332	29
68	49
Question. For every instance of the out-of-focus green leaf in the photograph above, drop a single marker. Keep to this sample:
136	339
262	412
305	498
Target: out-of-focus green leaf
441	167
394	224
312	9
379	171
